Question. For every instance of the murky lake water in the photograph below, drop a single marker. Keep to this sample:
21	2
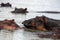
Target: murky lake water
32	5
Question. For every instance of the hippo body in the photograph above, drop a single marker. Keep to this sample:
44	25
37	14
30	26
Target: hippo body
50	34
45	34
20	10
57	32
5	5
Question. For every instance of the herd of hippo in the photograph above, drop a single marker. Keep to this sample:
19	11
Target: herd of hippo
17	10
42	23
24	10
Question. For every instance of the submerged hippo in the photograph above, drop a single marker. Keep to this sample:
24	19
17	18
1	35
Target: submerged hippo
20	10
5	5
9	25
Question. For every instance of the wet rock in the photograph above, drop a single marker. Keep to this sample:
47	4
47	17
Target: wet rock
5	5
9	25
20	10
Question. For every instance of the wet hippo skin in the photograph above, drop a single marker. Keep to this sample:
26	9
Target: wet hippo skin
9	25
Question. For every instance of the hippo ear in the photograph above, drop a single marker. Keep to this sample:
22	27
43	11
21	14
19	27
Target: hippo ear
7	3
25	8
1	3
44	19
12	19
15	8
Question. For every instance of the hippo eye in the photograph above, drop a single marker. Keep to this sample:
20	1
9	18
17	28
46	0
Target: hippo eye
40	21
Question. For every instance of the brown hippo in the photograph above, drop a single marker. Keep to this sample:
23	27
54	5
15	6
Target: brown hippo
5	5
9	25
20	10
42	23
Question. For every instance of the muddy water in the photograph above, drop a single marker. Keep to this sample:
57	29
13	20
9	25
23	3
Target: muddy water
32	5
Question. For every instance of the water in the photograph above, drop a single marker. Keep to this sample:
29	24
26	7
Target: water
32	5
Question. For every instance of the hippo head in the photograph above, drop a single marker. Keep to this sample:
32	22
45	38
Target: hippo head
35	23
10	25
39	23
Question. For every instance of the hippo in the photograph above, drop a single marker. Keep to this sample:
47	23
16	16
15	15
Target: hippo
41	23
34	23
5	5
9	25
20	10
